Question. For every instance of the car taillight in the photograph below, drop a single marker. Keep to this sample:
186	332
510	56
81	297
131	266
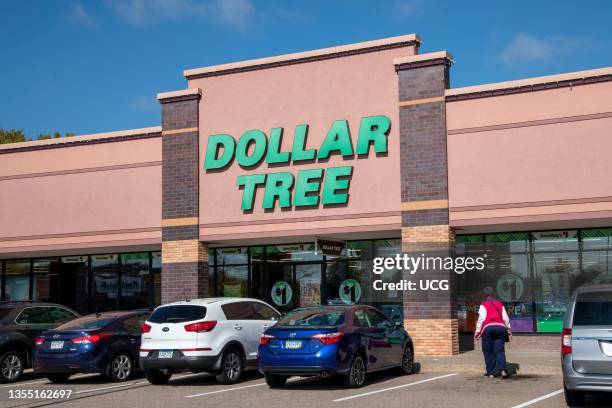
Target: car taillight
145	328
328	338
265	339
39	340
201	326
90	338
566	342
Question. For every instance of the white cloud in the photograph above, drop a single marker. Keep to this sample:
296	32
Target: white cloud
405	8
79	15
528	48
235	13
144	104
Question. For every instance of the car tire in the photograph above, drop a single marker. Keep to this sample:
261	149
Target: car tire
573	397
158	377
407	366
231	367
58	377
120	368
356	375
275	381
11	366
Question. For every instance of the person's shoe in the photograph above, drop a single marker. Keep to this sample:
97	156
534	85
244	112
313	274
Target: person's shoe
505	374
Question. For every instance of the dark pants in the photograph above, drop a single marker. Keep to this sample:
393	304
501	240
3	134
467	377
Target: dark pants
493	349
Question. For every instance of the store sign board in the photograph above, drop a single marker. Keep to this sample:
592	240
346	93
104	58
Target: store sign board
330	248
309	187
73	259
545	235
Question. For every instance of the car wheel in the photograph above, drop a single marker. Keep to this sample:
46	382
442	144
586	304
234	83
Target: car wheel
573	397
58	377
11	366
356	375
158	377
275	381
407	366
120	368
231	367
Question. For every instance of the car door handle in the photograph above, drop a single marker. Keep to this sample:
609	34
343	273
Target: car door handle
265	326
237	327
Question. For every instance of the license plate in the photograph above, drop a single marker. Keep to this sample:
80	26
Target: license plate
164	354
293	344
56	345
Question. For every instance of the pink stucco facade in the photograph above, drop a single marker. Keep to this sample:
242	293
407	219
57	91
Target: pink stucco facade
538	158
315	93
83	196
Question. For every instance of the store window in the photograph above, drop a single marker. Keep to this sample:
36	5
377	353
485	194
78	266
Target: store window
156	270
73	287
17	280
45	282
233	280
556	272
105	282
135	281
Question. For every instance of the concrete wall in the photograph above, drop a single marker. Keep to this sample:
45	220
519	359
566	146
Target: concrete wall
531	158
80	196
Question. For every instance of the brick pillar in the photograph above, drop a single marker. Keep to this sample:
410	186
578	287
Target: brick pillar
184	257
431	317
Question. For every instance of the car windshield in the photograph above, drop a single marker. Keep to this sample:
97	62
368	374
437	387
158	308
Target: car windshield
593	309
89	322
177	314
312	318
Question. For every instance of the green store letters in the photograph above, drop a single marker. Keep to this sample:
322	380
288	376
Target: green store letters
253	146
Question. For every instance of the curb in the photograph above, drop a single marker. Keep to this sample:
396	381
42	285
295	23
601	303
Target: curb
479	369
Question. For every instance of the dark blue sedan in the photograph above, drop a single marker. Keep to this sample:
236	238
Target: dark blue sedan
347	340
105	343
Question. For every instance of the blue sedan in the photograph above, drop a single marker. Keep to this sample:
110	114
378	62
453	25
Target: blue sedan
105	343
327	340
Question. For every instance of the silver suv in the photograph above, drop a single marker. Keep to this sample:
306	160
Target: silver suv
586	349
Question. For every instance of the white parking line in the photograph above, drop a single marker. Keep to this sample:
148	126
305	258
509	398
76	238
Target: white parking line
365	394
536	400
135	383
224	390
19	384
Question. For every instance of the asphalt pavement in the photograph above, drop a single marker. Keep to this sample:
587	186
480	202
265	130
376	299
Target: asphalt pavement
425	389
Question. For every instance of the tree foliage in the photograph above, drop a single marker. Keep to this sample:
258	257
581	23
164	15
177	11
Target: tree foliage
12	136
17	135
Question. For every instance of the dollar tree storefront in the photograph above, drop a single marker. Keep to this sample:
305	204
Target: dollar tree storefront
283	178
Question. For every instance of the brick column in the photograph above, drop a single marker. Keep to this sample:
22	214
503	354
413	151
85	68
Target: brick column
184	257
431	317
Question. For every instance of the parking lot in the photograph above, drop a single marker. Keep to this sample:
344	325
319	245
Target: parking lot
383	389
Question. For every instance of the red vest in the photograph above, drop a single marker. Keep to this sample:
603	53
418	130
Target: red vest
494	314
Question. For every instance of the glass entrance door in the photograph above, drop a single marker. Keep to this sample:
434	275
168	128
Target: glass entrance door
288	285
307	284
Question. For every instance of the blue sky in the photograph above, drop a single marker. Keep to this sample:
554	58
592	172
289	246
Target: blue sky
93	66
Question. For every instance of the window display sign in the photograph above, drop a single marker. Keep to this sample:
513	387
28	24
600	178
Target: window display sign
350	291
510	287
281	293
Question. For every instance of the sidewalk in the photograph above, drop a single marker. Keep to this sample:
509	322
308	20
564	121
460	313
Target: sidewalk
531	362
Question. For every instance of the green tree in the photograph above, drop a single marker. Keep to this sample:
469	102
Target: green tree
12	136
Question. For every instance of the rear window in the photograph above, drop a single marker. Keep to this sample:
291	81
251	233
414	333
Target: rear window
177	314
312	318
593	309
90	322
